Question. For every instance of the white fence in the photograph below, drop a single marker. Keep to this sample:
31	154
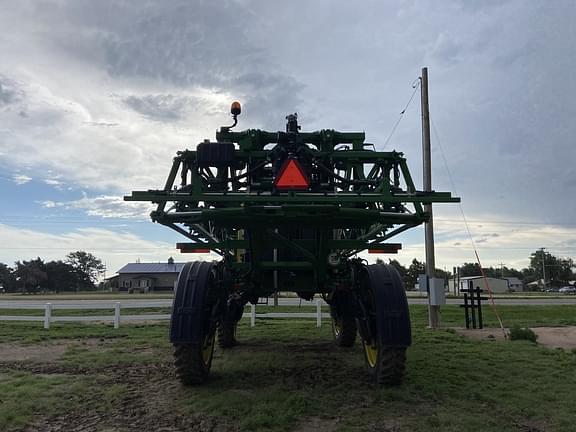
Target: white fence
48	318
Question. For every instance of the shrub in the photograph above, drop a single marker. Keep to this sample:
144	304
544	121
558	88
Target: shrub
519	333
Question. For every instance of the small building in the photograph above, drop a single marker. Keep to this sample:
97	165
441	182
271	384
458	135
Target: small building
149	277
515	284
496	285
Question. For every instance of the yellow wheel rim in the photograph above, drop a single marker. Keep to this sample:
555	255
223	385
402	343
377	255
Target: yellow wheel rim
208	348
337	327
371	354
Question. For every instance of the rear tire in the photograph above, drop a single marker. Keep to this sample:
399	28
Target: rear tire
385	326
386	365
194	321
193	362
344	331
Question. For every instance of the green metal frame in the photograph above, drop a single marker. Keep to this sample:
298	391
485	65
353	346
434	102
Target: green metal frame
359	199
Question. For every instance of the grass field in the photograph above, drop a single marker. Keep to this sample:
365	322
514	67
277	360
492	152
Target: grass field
286	375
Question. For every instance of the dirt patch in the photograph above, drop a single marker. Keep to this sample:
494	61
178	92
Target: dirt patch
45	352
551	337
317	424
11	352
145	401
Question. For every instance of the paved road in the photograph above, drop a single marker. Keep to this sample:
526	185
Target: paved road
155	303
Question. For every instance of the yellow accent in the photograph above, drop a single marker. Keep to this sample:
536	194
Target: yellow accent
208	348
371	354
240	252
336	327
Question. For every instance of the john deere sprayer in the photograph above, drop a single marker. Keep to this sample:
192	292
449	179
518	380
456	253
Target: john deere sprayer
289	211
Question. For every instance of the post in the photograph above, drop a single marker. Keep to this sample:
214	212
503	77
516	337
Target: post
458	285
479	304
466	310
318	313
252	315
433	311
543	268
472	305
117	315
275	276
47	315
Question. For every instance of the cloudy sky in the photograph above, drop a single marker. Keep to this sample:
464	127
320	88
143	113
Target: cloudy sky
96	97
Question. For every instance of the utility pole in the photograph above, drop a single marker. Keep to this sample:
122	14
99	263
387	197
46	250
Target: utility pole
543	266
433	310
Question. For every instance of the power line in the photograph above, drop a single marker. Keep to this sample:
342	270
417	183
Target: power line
415	86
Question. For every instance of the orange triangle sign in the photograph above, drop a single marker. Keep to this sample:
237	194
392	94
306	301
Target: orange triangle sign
291	176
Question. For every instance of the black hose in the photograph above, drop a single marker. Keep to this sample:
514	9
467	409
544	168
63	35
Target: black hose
342	179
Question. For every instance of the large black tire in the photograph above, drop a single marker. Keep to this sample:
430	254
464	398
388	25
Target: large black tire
386	365
227	334
385	329
193	362
194	320
344	331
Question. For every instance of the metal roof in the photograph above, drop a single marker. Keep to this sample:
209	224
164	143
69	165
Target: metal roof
479	277
151	268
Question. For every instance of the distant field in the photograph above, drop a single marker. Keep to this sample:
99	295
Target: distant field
286	375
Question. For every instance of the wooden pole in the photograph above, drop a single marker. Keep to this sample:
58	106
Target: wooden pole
433	310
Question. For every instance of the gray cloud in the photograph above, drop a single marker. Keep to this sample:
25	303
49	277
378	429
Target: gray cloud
163	107
500	85
183	43
10	93
446	49
179	45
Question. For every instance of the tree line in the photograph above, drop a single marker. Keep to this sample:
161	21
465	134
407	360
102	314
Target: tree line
544	266
78	272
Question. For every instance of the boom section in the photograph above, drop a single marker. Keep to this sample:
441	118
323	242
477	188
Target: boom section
351	196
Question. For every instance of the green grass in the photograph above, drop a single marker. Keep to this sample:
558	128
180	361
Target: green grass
24	395
524	316
287	371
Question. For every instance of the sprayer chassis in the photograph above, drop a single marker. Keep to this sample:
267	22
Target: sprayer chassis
305	239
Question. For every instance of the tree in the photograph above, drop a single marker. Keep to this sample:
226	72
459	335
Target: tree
446	275
7	278
400	268
551	269
414	270
61	276
470	269
510	272
87	266
30	275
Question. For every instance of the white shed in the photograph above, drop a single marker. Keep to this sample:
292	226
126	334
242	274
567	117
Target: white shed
496	285
515	284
